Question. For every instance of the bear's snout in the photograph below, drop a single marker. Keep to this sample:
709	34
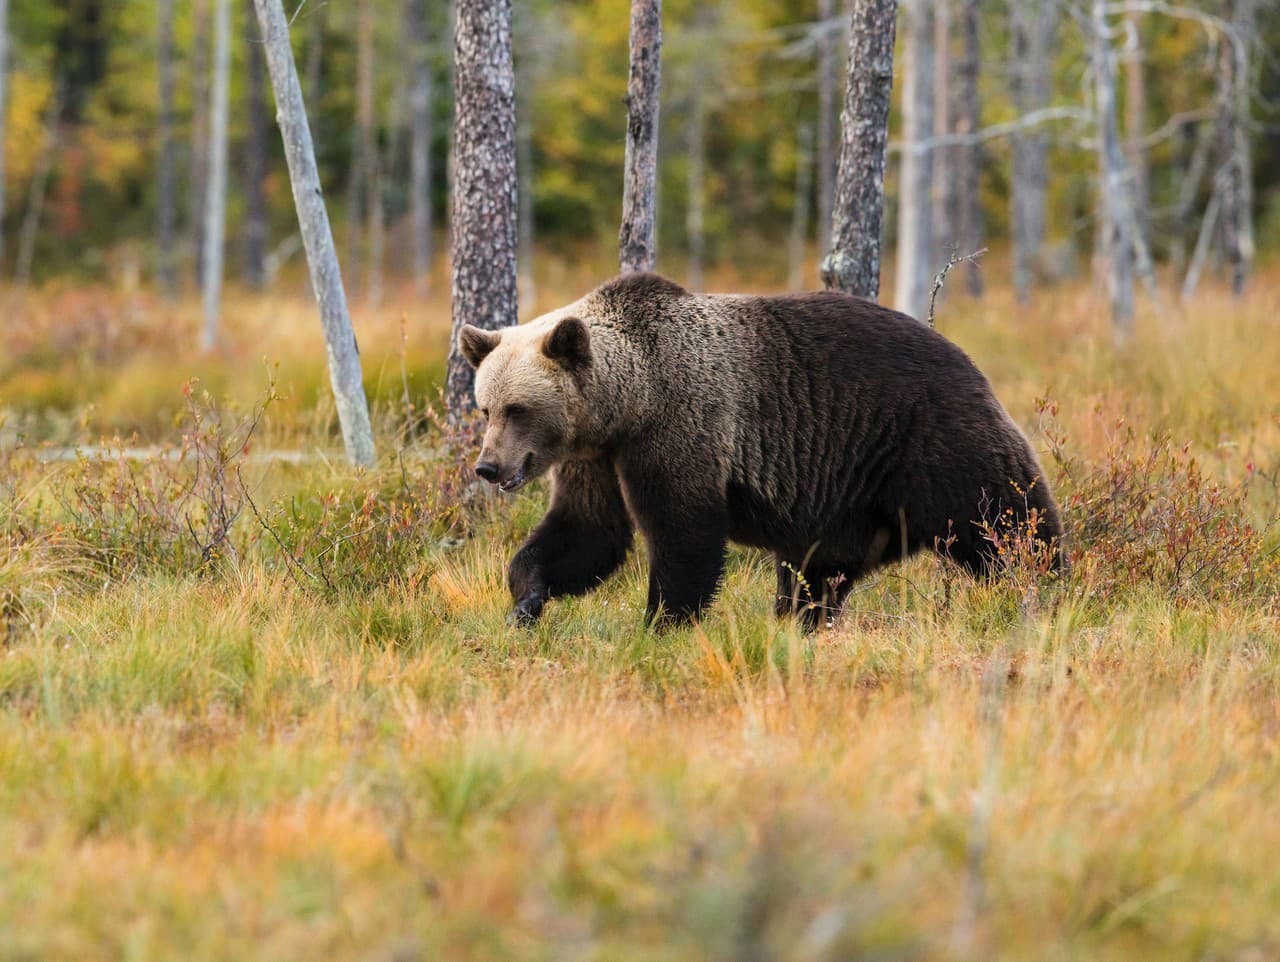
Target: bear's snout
487	470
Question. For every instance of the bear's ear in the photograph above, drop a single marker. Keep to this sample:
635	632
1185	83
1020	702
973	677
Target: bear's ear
477	344
569	344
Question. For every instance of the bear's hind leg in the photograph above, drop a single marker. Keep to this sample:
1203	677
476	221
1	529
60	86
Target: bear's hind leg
582	540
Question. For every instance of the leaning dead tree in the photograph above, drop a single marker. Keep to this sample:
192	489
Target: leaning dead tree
636	242
853	262
484	187
317	236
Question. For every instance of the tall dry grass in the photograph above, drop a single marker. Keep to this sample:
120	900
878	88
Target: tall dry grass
315	736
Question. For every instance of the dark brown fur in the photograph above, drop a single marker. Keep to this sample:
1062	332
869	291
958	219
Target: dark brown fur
836	433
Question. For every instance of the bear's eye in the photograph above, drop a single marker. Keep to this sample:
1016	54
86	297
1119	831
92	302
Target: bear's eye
515	410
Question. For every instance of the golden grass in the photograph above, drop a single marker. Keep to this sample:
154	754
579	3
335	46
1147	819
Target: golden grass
232	763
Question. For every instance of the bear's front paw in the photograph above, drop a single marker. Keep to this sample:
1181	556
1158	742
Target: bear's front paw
526	612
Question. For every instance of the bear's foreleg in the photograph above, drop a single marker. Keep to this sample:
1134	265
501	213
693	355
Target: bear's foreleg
582	540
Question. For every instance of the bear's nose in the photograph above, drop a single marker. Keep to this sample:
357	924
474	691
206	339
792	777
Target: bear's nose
487	470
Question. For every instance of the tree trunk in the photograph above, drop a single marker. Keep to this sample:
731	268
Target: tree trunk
796	270
1135	112
199	133
970	230
826	122
853	262
359	207
636	241
696	145
944	219
915	228
420	145
255	159
326	277
1117	242
166	159
1234	179
215	211
485	196
1033	28
1197	145
39	188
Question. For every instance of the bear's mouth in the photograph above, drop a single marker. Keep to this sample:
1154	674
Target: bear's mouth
517	480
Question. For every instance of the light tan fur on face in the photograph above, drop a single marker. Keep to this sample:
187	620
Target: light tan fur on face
516	373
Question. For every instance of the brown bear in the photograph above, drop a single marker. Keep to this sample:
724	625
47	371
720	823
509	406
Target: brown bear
835	433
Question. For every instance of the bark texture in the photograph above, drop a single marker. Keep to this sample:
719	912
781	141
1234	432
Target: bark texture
853	262
255	159
967	111
1234	181
637	248
317	237
485	201
915	196
1034	24
166	160
420	144
826	121
215	209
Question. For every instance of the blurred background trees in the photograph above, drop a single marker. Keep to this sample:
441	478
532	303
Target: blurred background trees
109	121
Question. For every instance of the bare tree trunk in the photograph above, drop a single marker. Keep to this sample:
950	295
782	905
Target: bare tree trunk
361	176
166	159
915	228
485	194
944	220
215	211
968	157
1034	25
1234	179
317	237
1199	143
39	188
696	145
1116	224
1135	111
826	123
199	133
800	208
853	262
636	241
420	146
4	109
255	159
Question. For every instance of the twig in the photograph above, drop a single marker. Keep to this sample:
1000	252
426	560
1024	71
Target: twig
941	278
276	537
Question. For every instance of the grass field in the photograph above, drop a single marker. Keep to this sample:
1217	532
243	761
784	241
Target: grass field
262	710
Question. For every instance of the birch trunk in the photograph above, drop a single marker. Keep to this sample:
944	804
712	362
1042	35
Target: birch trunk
215	211
1117	240
636	241
1034	25
166	159
826	122
1135	122
853	262
915	204
797	261
420	145
1234	179
199	133
255	159
317	237
970	230
485	195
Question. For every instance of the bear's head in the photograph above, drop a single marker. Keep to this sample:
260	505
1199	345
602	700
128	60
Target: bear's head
528	386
